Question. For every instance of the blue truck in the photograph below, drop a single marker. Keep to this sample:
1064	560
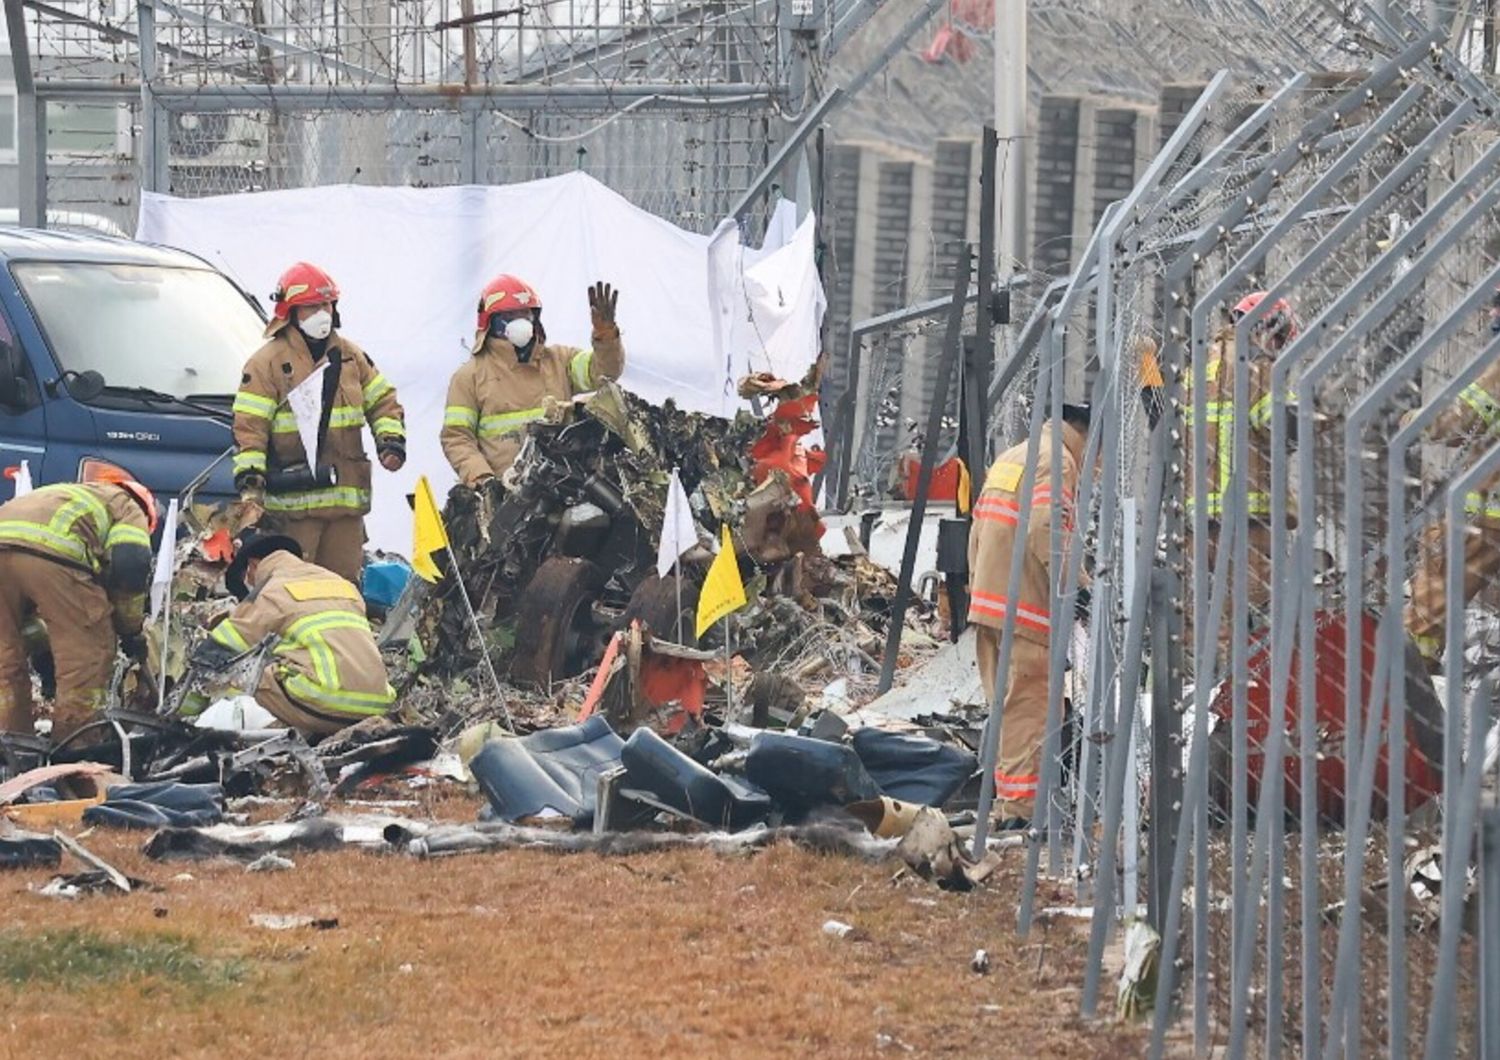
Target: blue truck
118	357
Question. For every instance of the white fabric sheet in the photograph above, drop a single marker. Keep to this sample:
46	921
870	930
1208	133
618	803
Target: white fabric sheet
696	312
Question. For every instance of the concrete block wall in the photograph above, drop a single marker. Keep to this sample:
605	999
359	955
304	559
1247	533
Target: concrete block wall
893	265
1053	201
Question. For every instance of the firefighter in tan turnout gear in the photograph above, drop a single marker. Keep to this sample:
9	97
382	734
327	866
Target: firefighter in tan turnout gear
323	508
514	375
325	671
1209	483
1475	416
80	555
995	530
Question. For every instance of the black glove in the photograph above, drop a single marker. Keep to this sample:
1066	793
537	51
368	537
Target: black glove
211	655
249	480
391	446
134	647
1081	604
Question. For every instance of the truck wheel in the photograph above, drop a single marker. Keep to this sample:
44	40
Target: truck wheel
555	633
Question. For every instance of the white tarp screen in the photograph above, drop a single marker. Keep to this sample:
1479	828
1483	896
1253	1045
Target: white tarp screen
696	312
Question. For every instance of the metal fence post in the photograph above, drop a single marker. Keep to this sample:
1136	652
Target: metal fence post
156	137
31	123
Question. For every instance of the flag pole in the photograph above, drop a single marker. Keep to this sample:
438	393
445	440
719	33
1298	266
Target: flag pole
729	667
484	649
677	573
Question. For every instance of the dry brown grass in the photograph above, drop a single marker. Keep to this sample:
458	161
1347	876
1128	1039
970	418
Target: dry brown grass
536	954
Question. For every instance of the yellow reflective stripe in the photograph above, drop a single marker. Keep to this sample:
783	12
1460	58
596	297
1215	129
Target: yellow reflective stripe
505	422
1260	412
1217	412
377	388
332	497
16	532
388	427
82	502
341	416
1481	504
125	534
248	404
227	634
249	460
581	368
307	633
461	416
366	704
1484	405
1255	504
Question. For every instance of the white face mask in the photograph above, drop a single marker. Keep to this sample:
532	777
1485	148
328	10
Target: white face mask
519	332
318	325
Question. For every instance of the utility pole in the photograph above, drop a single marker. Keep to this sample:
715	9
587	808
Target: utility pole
1011	93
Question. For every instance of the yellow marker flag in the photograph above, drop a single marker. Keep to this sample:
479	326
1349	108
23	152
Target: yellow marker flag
723	592
964	497
428	533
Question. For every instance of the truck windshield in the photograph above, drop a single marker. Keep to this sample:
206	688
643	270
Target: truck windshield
181	331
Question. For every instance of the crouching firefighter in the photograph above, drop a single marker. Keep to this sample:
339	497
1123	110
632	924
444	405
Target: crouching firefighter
991	597
323	508
325	672
80	555
513	375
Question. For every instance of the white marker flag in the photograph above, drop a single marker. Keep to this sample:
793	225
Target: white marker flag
678	532
306	402
23	479
166	560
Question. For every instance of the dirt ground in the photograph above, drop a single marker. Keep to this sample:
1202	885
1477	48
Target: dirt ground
534	954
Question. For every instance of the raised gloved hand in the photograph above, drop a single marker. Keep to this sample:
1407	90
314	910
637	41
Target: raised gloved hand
602	302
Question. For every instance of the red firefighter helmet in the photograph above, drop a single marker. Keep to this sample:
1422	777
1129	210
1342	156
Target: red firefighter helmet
1279	325
144	498
506	294
303	284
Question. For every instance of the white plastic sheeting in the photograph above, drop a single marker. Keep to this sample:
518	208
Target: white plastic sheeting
696	312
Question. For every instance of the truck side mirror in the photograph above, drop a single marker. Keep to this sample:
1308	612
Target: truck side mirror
85	386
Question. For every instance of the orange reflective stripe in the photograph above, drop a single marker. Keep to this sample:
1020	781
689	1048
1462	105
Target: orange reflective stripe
1012	785
993	605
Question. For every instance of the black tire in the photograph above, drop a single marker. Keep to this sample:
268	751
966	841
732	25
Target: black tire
554	621
654	602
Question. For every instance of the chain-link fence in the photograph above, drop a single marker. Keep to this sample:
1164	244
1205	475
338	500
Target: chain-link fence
1271	742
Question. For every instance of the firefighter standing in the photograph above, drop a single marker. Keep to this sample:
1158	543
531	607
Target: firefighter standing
322	508
1207	485
326	672
1477	413
513	374
80	554
991	541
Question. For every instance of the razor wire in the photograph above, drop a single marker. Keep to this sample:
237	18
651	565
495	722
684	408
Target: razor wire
1319	911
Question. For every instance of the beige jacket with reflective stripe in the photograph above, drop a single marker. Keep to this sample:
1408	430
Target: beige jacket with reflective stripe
492	397
1211	479
996	524
85	525
1474	420
325	656
265	431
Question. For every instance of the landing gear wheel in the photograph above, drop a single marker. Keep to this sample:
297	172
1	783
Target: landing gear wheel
555	631
654	602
